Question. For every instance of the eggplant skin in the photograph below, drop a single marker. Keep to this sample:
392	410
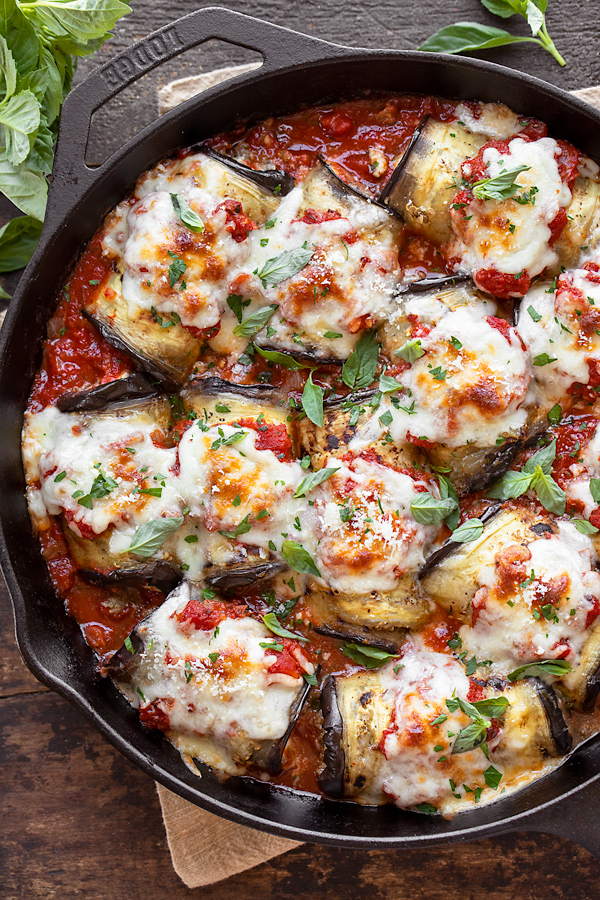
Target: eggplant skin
134	387
331	779
122	663
161	374
450	546
391	641
231	578
563	740
161	575
212	386
273	180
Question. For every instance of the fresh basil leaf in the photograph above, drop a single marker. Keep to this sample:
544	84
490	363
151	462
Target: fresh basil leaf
543	458
558	667
493	708
534	16
555	414
369	657
4	295
387	384
585	527
359	369
150	537
310	679
243	528
26	189
542	359
236	304
551	496
186	214
469	36
427	808
19	118
284	266
470	530
501	186
80	20
176	269
535	315
595	489
470	737
503	8
298	558
312	401
411	351
9	69
511	485
281	359
253	323
274	625
18	240
428	510
492	777
312	480
447	491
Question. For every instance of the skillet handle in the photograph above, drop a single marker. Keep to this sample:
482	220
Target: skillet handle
279	47
575	817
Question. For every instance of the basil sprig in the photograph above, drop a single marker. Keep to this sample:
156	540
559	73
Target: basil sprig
428	510
359	369
38	42
470	530
535	475
287	264
501	186
150	537
481	712
464	36
556	667
369	657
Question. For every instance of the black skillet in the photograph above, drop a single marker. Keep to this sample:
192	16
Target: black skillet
297	71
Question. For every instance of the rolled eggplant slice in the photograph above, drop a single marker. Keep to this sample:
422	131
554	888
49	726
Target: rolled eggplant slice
581	686
345	418
131	388
347	282
583	222
467	382
190	654
423	184
389	734
238	476
525	596
274	181
166	354
102	566
366	614
108	473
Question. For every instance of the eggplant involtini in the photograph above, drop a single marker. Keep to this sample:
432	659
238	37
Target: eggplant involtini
313	452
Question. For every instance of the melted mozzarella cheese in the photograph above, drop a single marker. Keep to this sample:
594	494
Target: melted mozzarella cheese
157	241
552	325
409	770
483	237
586	467
494	120
236	483
469	387
213	683
560	589
380	539
86	448
347	284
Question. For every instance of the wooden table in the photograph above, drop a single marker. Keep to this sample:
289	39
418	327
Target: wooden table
78	820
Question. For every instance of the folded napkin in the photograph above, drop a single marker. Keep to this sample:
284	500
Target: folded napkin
205	848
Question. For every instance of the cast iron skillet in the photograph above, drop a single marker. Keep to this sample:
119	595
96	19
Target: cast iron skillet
297	70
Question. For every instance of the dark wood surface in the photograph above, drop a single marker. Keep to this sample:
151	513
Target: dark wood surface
79	820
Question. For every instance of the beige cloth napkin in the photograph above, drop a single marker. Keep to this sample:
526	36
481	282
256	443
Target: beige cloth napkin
205	848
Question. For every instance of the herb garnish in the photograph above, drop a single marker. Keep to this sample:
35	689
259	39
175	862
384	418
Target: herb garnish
287	264
535	475
186	214
150	537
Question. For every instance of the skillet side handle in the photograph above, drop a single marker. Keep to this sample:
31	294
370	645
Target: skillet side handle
280	48
575	817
